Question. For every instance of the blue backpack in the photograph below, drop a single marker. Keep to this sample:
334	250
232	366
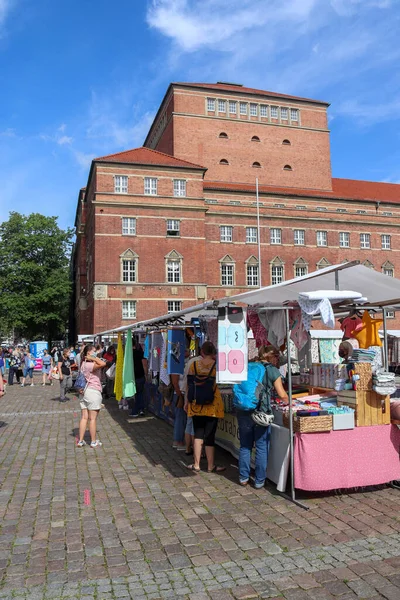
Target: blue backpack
247	395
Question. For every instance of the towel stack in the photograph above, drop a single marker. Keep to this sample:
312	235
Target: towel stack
360	355
340	384
384	383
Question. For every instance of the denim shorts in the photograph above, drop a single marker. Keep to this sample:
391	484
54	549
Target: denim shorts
28	373
189	426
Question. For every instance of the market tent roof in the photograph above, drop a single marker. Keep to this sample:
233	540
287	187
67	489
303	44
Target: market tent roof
380	289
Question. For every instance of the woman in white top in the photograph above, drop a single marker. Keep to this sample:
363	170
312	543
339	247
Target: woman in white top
92	398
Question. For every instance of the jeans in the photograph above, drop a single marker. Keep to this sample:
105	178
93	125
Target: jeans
250	433
136	404
65	383
179	424
11	372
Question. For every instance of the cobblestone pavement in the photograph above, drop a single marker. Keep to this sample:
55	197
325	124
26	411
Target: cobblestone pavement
129	521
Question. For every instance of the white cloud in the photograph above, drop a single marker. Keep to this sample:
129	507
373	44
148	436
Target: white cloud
64	139
349	7
5	7
369	114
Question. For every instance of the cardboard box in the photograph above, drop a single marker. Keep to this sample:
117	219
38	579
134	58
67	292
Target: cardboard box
371	408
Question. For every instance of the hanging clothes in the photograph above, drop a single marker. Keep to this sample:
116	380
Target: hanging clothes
274	323
315	351
118	384
176	351
156	341
128	375
163	360
349	324
297	330
258	329
314	307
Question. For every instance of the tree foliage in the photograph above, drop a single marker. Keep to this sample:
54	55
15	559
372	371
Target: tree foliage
34	275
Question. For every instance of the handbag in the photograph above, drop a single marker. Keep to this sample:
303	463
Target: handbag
55	374
80	382
111	371
31	364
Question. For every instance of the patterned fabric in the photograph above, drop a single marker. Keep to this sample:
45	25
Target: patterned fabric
258	329
155	352
163	360
298	333
313	307
315	351
212	331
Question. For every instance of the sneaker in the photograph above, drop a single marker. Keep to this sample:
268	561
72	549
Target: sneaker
125	407
96	444
141	413
22	385
133	415
259	486
81	444
32	385
43	384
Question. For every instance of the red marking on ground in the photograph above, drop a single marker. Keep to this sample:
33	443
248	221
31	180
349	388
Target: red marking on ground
86	497
75	414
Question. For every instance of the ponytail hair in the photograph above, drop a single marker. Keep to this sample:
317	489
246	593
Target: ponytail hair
86	350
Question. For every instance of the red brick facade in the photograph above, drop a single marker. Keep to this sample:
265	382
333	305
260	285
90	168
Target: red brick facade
184	249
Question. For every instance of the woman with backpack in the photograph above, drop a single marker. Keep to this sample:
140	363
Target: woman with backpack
204	404
254	428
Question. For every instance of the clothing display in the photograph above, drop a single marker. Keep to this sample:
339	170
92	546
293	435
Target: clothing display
155	351
350	324
383	383
232	345
118	383
315	351
163	360
297	331
329	350
258	329
311	308
175	351
274	323
128	374
360	355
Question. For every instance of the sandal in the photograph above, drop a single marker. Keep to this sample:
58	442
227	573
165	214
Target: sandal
193	468
216	469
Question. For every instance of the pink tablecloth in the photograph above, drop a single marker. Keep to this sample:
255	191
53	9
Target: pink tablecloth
350	458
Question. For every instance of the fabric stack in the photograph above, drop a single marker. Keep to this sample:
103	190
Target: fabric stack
360	355
383	383
340	384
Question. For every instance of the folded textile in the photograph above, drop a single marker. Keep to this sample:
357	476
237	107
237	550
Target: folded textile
384	391
330	295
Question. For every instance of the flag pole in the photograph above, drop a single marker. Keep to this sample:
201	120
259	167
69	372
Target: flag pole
258	235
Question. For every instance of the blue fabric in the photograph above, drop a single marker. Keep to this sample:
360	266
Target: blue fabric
189	426
28	373
179	425
250	433
176	352
146	351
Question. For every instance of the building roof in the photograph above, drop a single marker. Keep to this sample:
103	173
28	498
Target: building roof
146	156
231	87
346	189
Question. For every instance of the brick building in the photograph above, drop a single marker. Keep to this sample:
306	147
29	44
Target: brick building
174	223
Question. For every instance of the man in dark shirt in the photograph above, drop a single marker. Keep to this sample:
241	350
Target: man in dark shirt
136	404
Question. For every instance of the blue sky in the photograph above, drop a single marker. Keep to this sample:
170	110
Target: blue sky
81	79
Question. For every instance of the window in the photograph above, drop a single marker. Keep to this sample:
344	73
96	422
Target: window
255	138
276	236
322	238
232	107
243	108
341	210
365	240
287	168
263	110
300	270
121	184
226	233
223	161
276	274
173	227
344	239
179	187
286	143
385	239
321	208
387	214
294	114
390	314
389	272
252	275
299	237
388	269
279	206
129	309
227	274
251	235
253	110
174	306
301	207
129	271
256	165
223	135
222	106
150	186
361	212
128	226
211	104
173	271
235	202
274	112
284	114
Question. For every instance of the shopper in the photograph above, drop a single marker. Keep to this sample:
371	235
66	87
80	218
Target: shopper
345	351
136	404
14	366
92	399
29	365
46	366
64	371
252	432
205	417
180	417
110	357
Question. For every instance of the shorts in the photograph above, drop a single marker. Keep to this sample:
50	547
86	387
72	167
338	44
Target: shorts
189	426
205	429
92	399
28	373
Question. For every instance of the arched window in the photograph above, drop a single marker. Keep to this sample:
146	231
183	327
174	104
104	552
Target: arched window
173	267
287	168
388	268
286	143
300	267
223	135
277	270
256	165
252	271
255	138
129	266
227	267
223	161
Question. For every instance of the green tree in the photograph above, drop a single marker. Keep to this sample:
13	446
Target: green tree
35	285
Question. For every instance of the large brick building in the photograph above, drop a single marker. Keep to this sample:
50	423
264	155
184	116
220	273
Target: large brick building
174	223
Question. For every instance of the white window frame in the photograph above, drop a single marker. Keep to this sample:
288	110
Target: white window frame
365	241
150	186
300	270
243	108
179	188
386	241
129	309
128	225
253	109
252	275
264	110
294	114
322	239
390	314
211	104
251	235
173	227
389	271
299	237
232	107
344	239
274	112
277	274
227	274
275	236
174	306
129	270
226	233
174	270
284	114
120	184
222	106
